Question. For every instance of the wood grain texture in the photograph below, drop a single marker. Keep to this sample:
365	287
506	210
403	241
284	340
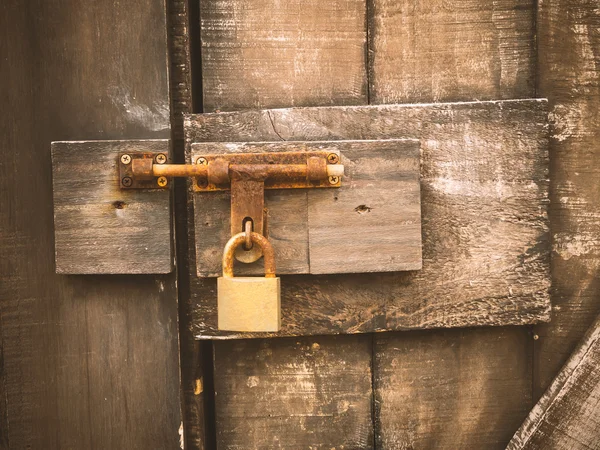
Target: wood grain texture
435	50
89	361
446	389
382	174
485	229
100	228
294	393
569	75
258	53
373	222
567	417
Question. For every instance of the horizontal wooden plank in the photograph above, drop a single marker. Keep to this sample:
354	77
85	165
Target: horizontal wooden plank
100	228
294	393
484	169
567	417
376	212
259	53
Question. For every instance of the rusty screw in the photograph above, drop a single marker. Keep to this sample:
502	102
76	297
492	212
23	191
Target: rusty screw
202	183
334	180
162	181
332	158
125	159
126	181
160	158
202	161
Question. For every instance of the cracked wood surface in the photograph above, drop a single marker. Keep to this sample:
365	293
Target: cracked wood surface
484	180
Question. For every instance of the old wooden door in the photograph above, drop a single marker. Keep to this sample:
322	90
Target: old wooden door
99	361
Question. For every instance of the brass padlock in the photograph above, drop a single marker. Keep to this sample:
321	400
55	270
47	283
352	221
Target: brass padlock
249	303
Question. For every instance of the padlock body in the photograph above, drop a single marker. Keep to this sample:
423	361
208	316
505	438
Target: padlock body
249	304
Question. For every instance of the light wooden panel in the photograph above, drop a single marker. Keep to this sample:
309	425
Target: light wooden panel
373	222
569	62
259	53
485	227
467	389
435	50
88	361
294	393
329	230
567	417
99	227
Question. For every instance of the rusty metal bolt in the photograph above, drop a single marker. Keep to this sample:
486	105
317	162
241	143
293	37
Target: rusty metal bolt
160	158
202	183
125	159
332	158
202	161
127	181
161	181
334	180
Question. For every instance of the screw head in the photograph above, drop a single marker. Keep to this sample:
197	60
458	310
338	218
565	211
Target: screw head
125	159
202	183
162	181
332	158
126	181
160	158
334	180
202	161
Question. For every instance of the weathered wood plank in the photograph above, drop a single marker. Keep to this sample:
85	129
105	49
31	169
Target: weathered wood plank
263	54
89	362
373	222
382	237
445	389
294	393
569	75
485	232
434	50
100	228
567	417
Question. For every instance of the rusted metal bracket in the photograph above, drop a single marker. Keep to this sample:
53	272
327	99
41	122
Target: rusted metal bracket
247	175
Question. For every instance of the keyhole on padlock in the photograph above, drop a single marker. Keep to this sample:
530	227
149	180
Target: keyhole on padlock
248	227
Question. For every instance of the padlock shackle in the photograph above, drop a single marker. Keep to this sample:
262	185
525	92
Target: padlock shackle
238	240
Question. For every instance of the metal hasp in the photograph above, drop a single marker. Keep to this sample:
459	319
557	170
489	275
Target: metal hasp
247	175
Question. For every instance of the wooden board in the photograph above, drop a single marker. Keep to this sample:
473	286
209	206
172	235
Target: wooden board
569	45
445	389
88	361
485	228
376	212
373	222
567	417
100	228
258	53
435	50
294	393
